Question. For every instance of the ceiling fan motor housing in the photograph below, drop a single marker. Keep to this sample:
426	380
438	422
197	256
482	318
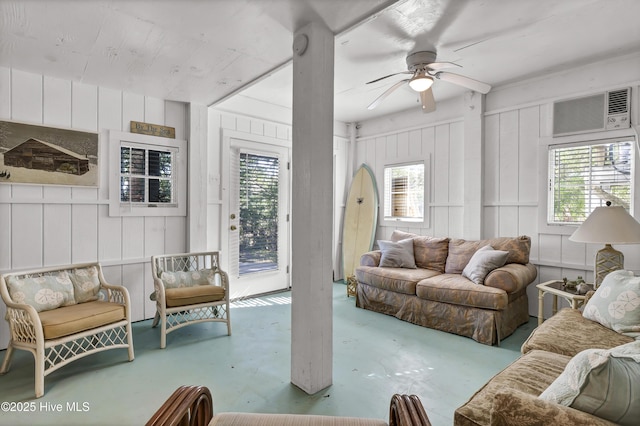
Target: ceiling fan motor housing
420	60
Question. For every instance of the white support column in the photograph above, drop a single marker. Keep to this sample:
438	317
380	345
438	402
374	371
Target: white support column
312	209
473	165
198	178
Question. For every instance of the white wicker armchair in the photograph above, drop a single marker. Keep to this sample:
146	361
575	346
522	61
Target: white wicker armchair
189	288
61	314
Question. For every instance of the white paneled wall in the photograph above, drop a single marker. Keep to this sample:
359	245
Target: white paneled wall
57	225
441	148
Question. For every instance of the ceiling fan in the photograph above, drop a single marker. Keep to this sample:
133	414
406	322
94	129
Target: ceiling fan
425	69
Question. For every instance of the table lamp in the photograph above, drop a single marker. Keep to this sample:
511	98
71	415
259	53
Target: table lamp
608	225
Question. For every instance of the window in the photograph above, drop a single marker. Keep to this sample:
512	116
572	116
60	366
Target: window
150	179
585	176
146	175
404	192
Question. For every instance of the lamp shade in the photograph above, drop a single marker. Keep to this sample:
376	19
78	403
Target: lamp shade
608	225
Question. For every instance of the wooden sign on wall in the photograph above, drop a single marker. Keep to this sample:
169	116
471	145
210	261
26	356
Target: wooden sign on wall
153	129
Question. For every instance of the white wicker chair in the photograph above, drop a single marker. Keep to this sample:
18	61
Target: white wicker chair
50	353
179	302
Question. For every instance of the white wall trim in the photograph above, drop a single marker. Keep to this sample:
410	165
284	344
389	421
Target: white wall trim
409	129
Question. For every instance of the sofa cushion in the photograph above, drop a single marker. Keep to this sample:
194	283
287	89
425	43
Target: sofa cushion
73	319
483	261
399	280
616	303
602	382
191	295
511	407
458	290
568	333
43	292
460	251
429	252
532	373
86	284
397	254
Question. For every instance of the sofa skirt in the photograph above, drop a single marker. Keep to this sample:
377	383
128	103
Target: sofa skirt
482	325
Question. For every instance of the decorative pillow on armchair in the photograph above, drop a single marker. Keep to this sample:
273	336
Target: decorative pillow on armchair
616	303
397	254
602	382
483	261
187	278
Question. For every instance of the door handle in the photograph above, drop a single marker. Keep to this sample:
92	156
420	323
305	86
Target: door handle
233	216
233	227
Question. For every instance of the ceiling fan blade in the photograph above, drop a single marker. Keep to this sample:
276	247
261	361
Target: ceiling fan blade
390	75
386	93
437	66
463	81
428	103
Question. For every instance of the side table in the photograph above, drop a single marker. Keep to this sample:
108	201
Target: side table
556	288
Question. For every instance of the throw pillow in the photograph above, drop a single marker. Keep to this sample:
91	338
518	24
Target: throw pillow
397	254
605	383
483	261
44	293
616	303
187	278
86	284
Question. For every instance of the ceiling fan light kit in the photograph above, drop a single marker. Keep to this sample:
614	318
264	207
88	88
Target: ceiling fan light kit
421	82
425	69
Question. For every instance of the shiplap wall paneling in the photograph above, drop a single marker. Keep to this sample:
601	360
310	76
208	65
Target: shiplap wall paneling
26	236
132	237
84	233
110	235
133	280
5	90
56	100
26	97
57	234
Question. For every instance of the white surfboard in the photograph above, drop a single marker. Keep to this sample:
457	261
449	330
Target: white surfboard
360	219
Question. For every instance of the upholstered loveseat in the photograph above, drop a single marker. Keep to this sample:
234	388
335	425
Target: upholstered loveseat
435	293
573	371
63	313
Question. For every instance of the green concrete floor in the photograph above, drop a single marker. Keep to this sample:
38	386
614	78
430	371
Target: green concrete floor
375	356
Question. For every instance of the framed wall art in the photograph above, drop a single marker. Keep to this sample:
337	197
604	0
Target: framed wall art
47	155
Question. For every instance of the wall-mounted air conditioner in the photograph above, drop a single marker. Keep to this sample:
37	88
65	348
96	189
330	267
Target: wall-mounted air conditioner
603	111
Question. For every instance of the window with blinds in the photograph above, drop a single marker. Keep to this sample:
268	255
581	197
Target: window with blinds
404	192
585	176
146	176
259	179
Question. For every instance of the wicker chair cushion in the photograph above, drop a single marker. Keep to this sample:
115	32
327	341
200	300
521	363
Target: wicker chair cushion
191	295
256	419
76	318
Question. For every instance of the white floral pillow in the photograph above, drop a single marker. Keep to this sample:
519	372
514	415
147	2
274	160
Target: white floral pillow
43	293
187	278
616	303
86	284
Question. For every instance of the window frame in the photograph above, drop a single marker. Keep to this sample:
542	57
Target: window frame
177	147
593	138
393	221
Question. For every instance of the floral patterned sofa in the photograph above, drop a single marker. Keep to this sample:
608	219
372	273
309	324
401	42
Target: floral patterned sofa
576	369
436	293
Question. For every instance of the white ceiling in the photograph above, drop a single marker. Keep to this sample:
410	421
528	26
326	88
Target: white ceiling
203	51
